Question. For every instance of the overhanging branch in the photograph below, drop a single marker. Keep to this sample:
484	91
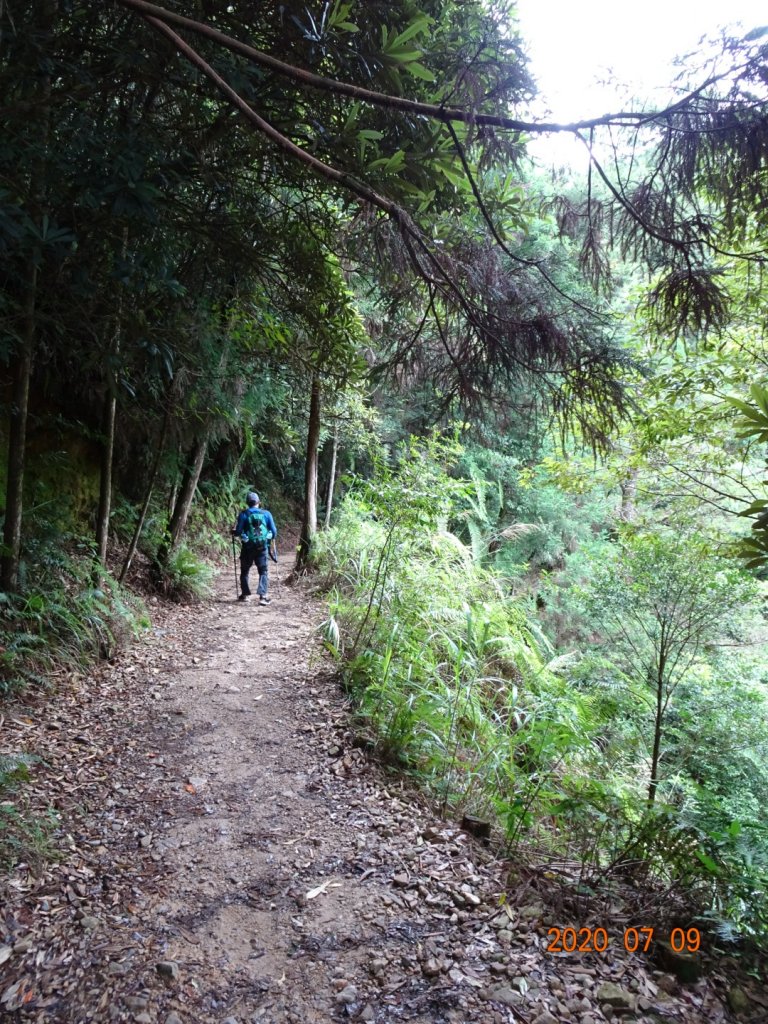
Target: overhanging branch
438	112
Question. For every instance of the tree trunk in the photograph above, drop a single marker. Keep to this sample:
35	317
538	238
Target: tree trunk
309	521
108	434
105	476
332	481
657	725
628	510
17	440
23	360
148	495
186	494
174	491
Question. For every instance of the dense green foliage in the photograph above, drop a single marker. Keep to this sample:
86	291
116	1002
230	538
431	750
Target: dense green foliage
642	753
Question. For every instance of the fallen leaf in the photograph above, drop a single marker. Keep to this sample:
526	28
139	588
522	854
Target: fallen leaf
322	888
189	787
18	994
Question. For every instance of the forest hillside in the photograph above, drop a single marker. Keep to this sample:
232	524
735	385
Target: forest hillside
511	423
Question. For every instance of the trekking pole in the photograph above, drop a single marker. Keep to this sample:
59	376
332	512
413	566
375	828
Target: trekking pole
234	556
273	555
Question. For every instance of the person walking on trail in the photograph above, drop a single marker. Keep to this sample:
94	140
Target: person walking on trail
257	531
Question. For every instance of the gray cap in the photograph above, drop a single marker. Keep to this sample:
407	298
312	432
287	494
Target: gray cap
252	498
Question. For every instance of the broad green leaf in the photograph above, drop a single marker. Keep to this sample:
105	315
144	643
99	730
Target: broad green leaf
419	71
416	27
760	396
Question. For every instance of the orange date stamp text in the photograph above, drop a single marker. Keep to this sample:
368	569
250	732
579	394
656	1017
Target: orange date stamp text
634	940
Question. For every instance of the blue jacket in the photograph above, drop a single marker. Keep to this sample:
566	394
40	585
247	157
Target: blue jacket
242	521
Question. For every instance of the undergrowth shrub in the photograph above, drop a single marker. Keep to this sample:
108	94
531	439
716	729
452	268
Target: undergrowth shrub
447	667
458	685
186	576
23	836
60	617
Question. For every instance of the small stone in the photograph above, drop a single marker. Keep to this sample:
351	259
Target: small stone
168	969
668	983
545	1018
136	1003
615	996
402	880
143	1018
431	967
173	1018
347	996
738	999
476	826
230	1020
198	781
367	1013
532	910
685	968
470	897
22	946
88	923
145	842
506	995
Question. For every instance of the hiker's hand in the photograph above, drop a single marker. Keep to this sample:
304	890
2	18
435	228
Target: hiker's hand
274	558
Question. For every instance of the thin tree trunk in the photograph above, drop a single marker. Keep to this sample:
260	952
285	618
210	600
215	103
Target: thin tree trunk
148	495
17	440
186	494
105	476
173	493
108	435
657	725
628	510
309	521
23	362
332	481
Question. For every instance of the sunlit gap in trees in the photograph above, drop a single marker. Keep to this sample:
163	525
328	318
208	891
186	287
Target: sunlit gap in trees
589	60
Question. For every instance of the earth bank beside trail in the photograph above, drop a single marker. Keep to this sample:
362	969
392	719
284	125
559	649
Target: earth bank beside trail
231	854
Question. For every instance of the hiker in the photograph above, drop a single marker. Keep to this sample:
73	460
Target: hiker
257	531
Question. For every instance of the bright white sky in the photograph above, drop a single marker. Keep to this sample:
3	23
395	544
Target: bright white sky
572	43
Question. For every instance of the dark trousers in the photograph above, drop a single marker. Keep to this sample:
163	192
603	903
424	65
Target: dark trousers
253	554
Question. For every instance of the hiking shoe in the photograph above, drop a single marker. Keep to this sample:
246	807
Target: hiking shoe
264	600
244	597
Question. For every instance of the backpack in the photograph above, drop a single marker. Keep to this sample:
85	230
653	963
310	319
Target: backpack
256	530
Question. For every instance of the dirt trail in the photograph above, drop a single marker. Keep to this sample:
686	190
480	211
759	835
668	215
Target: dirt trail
263	869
